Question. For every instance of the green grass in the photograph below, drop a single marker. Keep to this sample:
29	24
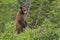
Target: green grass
8	1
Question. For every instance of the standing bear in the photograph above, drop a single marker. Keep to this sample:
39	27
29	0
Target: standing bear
21	19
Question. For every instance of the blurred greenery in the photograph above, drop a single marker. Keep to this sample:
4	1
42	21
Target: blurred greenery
47	12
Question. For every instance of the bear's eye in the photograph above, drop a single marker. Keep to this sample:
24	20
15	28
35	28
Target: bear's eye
24	10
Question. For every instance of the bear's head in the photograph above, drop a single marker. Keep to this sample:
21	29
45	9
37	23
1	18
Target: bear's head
23	10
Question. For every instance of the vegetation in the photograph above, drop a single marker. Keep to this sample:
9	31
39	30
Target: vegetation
45	12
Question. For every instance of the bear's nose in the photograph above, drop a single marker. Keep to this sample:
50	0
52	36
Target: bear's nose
25	11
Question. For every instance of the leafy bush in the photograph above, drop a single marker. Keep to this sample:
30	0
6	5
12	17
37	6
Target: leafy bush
47	12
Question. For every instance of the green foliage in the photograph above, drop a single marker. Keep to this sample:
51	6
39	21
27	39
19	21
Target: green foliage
46	11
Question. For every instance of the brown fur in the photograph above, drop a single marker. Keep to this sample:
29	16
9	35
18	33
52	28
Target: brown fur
21	20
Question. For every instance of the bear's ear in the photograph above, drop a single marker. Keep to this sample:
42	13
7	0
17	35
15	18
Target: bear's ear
20	7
